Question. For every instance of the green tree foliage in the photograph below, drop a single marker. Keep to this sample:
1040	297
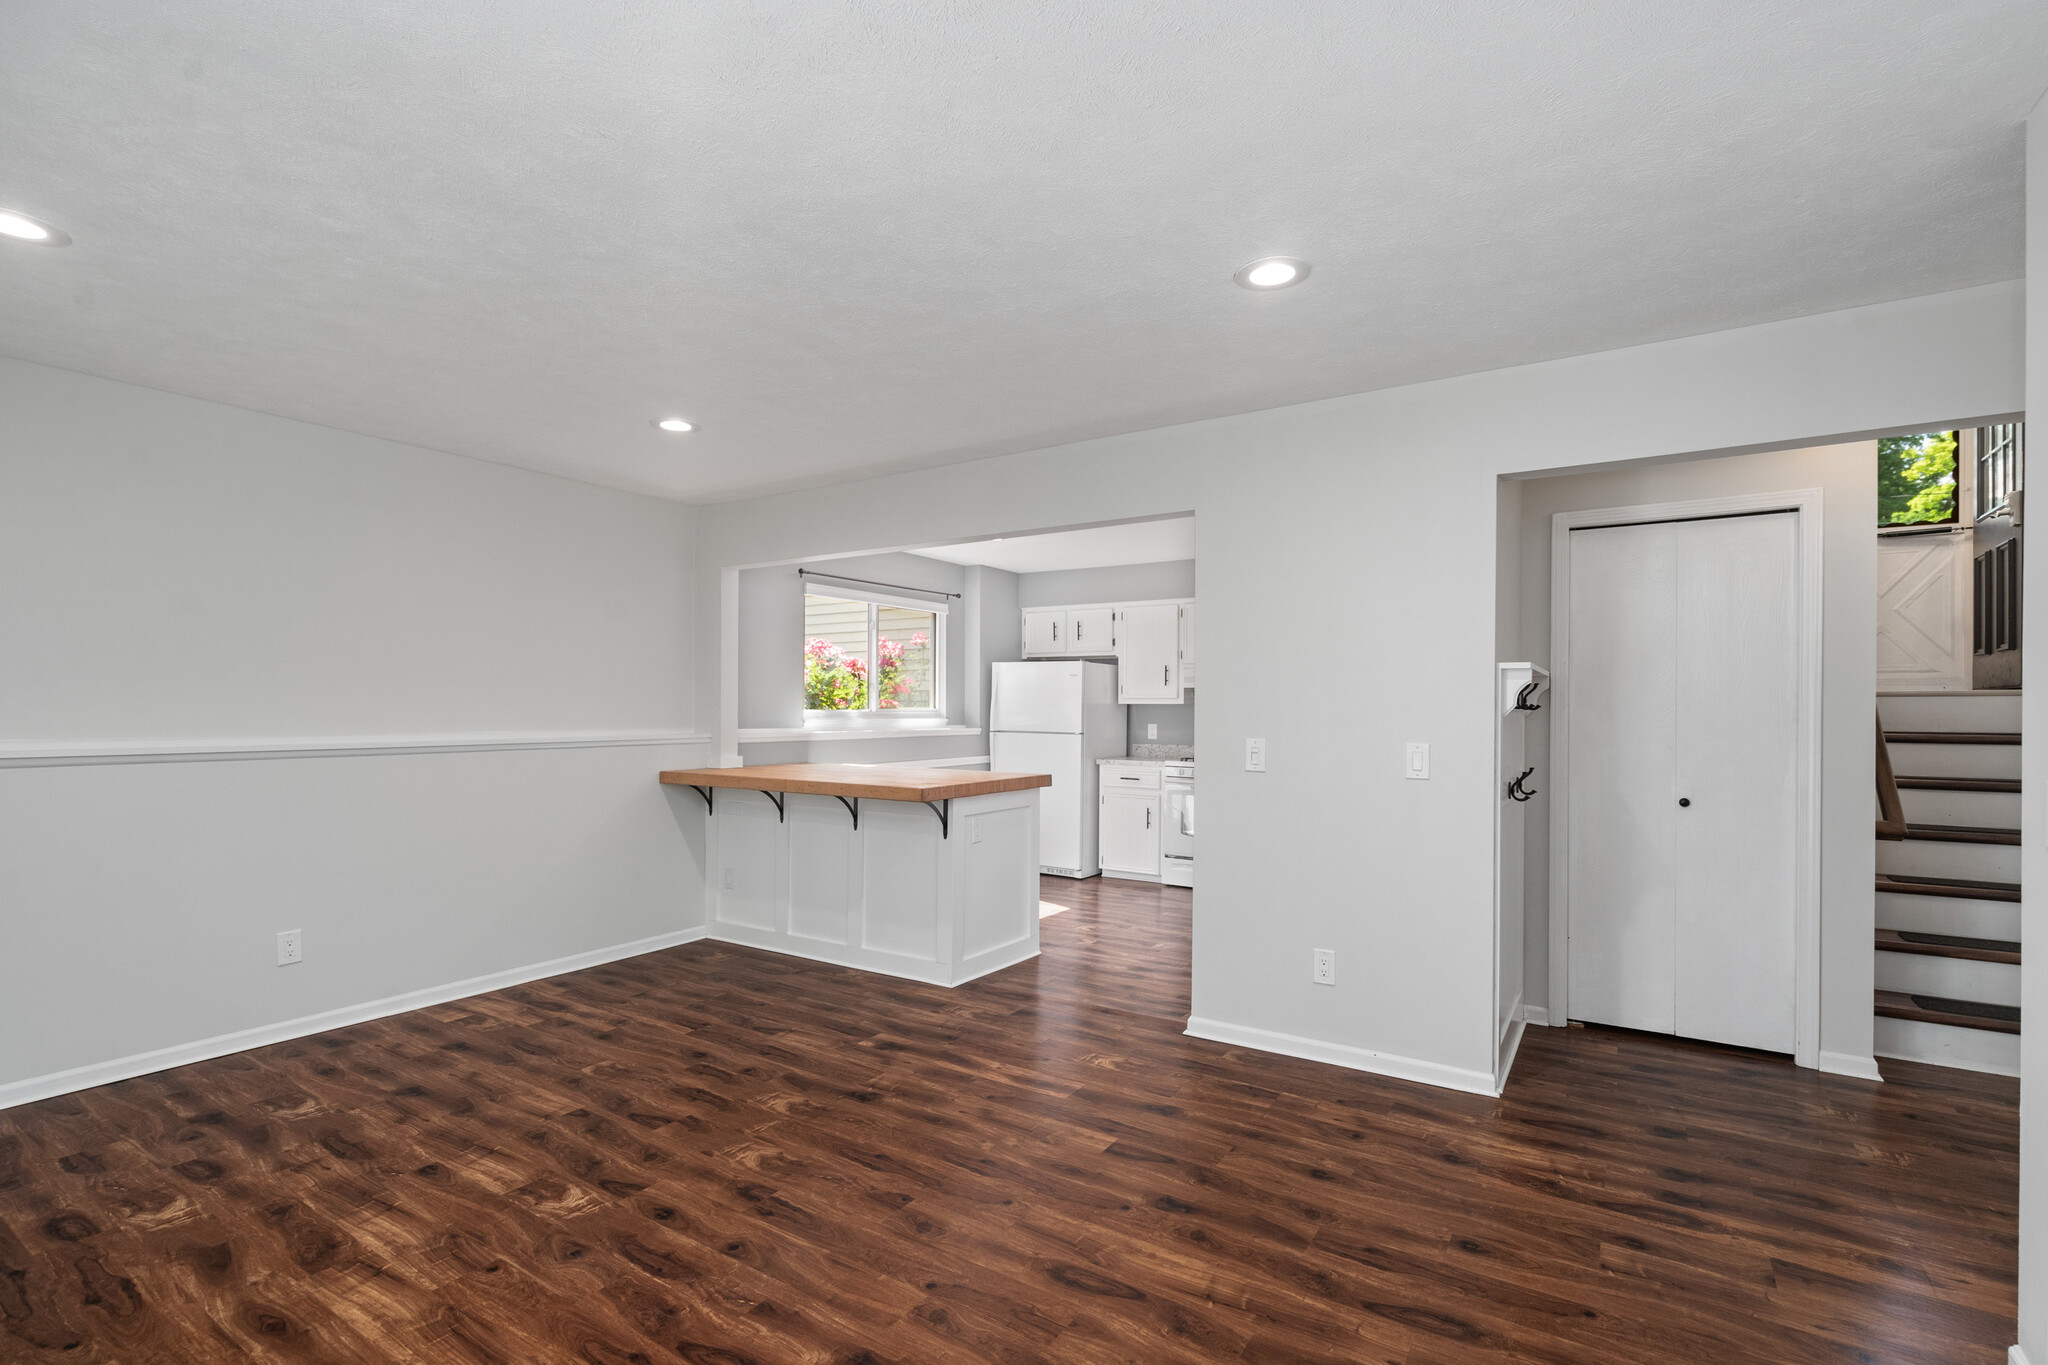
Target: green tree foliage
1916	478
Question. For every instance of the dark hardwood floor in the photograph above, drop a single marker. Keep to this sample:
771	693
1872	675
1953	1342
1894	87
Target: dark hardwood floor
719	1156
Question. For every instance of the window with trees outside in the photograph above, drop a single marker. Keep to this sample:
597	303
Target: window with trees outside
1916	479
870	656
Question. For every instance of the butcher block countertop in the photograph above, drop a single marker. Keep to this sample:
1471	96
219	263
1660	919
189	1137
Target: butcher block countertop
857	780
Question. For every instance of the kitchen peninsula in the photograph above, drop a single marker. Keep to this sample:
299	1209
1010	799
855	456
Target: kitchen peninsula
925	873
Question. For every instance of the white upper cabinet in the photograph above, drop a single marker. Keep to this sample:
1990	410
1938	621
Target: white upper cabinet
1187	644
1091	630
1153	643
1046	632
1148	653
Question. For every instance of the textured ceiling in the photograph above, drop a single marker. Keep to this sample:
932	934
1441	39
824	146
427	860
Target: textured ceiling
852	237
1097	547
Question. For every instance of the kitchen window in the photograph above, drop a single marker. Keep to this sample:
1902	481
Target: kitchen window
872	656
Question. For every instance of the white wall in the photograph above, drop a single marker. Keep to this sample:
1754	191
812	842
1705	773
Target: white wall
2033	1294
1847	477
178	576
1113	583
996	630
1331	847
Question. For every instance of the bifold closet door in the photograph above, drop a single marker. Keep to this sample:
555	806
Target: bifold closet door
1683	803
1623	682
1738	764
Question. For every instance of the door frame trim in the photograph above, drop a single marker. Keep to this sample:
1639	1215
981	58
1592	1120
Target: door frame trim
1805	503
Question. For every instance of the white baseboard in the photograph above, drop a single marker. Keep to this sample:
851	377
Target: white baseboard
870	960
1509	1048
1341	1054
1536	1014
184	1054
2015	1357
1967	1049
1850	1064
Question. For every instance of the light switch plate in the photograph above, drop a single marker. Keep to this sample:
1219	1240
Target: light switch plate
1418	762
1255	755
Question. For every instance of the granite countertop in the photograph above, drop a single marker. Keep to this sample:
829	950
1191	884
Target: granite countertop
1169	752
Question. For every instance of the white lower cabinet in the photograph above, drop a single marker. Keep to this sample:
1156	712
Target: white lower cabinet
1130	821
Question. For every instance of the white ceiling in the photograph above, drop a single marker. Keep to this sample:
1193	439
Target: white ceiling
1098	547
849	237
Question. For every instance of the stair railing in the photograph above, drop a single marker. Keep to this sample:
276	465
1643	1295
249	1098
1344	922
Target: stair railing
1891	812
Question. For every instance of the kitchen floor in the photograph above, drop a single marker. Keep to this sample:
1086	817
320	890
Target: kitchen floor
719	1155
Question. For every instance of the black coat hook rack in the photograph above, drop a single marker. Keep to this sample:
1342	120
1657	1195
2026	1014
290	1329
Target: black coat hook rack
1522	702
1516	791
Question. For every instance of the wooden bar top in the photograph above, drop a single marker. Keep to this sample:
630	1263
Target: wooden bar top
859	780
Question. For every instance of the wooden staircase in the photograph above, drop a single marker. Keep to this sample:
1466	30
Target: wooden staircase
1947	943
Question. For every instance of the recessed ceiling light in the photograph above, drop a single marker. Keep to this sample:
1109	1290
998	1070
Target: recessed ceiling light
20	227
1272	272
675	424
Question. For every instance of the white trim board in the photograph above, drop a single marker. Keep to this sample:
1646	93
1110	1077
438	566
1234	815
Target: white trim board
965	762
2015	1356
1340	1054
1949	692
1806	502
66	753
34	1088
1510	1048
1849	1064
792	736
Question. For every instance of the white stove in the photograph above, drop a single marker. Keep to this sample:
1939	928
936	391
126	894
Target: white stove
1177	829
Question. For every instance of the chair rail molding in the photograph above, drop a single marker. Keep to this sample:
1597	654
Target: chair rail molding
65	753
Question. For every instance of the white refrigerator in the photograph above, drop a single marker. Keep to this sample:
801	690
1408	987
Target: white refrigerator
1058	718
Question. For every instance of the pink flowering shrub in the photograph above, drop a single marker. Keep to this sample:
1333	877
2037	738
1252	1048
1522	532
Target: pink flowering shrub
837	681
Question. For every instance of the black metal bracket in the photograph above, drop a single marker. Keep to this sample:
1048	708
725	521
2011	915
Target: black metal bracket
704	792
779	799
1516	791
852	808
945	816
1522	702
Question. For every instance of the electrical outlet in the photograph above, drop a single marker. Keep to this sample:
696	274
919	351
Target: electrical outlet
291	947
1418	763
1255	755
728	879
1325	973
1151	732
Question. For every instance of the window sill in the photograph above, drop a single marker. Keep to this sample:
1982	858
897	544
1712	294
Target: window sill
908	730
